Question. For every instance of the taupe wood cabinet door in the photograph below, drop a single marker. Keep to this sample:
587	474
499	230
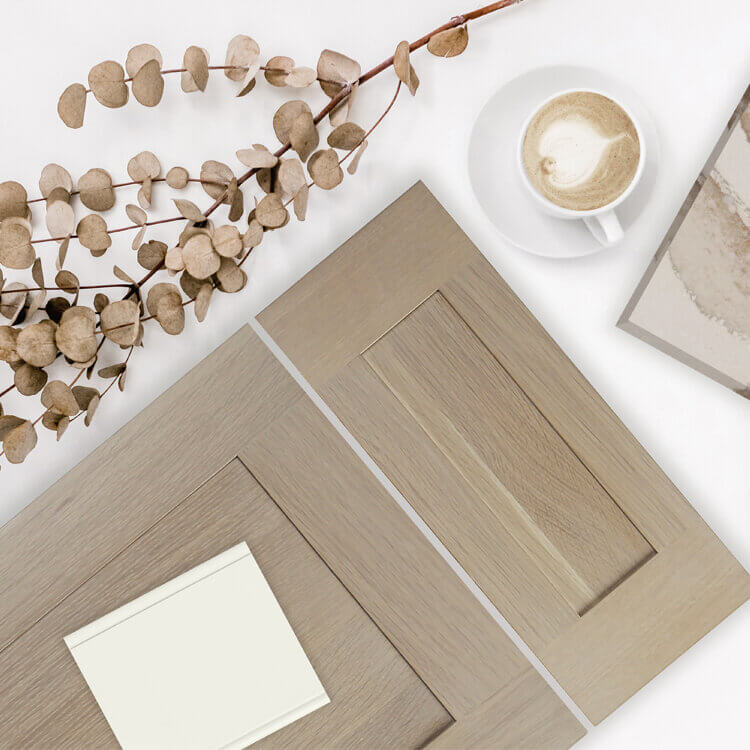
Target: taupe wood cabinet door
235	451
507	452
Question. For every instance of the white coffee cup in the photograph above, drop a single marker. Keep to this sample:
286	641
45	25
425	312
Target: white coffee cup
602	221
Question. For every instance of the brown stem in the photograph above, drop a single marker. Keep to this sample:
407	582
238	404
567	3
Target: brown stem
134	182
61	289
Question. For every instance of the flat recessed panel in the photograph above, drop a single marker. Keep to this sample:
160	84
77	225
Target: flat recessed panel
494	436
375	696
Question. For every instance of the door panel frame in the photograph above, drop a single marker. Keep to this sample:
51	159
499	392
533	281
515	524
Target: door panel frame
410	251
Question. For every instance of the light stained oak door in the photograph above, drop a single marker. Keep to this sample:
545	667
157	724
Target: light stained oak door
507	453
406	653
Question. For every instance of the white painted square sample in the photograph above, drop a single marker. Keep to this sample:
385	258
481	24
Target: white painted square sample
206	661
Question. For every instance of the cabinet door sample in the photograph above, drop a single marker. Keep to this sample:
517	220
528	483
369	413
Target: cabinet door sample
507	452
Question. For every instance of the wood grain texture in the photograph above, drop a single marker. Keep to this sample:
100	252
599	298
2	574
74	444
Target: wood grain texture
133	479
520	717
493	434
509	454
426	653
364	675
560	392
293	461
648	621
324	337
504	567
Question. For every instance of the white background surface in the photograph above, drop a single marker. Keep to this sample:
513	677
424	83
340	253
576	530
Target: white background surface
690	62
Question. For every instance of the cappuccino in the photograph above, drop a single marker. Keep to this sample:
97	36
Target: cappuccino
581	150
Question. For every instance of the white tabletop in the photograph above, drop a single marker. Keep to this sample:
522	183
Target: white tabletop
689	60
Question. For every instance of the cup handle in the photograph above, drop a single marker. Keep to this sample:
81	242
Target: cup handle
605	227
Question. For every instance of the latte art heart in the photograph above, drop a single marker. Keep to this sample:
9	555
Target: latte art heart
581	150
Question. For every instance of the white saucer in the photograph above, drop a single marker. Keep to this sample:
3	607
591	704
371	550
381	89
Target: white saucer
493	169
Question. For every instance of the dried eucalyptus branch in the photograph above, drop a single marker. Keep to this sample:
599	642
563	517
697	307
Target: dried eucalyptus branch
207	257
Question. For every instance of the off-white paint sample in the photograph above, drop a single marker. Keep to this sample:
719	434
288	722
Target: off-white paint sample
208	660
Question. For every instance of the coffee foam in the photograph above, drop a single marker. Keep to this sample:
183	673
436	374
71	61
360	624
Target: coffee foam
581	151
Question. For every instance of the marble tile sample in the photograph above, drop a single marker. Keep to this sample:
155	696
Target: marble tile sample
694	300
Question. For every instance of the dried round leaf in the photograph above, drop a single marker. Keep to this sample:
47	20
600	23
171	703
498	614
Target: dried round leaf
75	335
300	203
136	214
190	285
156	292
152	254
189	210
139	56
242	53
92	234
324	169
200	258
54	176
202	301
215	177
144	165
171	314
335	69
55	307
173	260
301	78
13	200
164	302
270	212
100	302
285	116
354	163
93	406
16	250
254	234
267	179
277	69
107	83
230	276
177	178
249	83
84	395
257	158
227	241
148	84
404	69
36	343
71	106
37	272
120	322
58	398
12	300
60	219
237	202
67	281
8	338
144	193
449	43
8	422
19	442
401	61
303	135
291	176
29	380
112	371
96	190
58	194
120	274
195	62
340	112
346	136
